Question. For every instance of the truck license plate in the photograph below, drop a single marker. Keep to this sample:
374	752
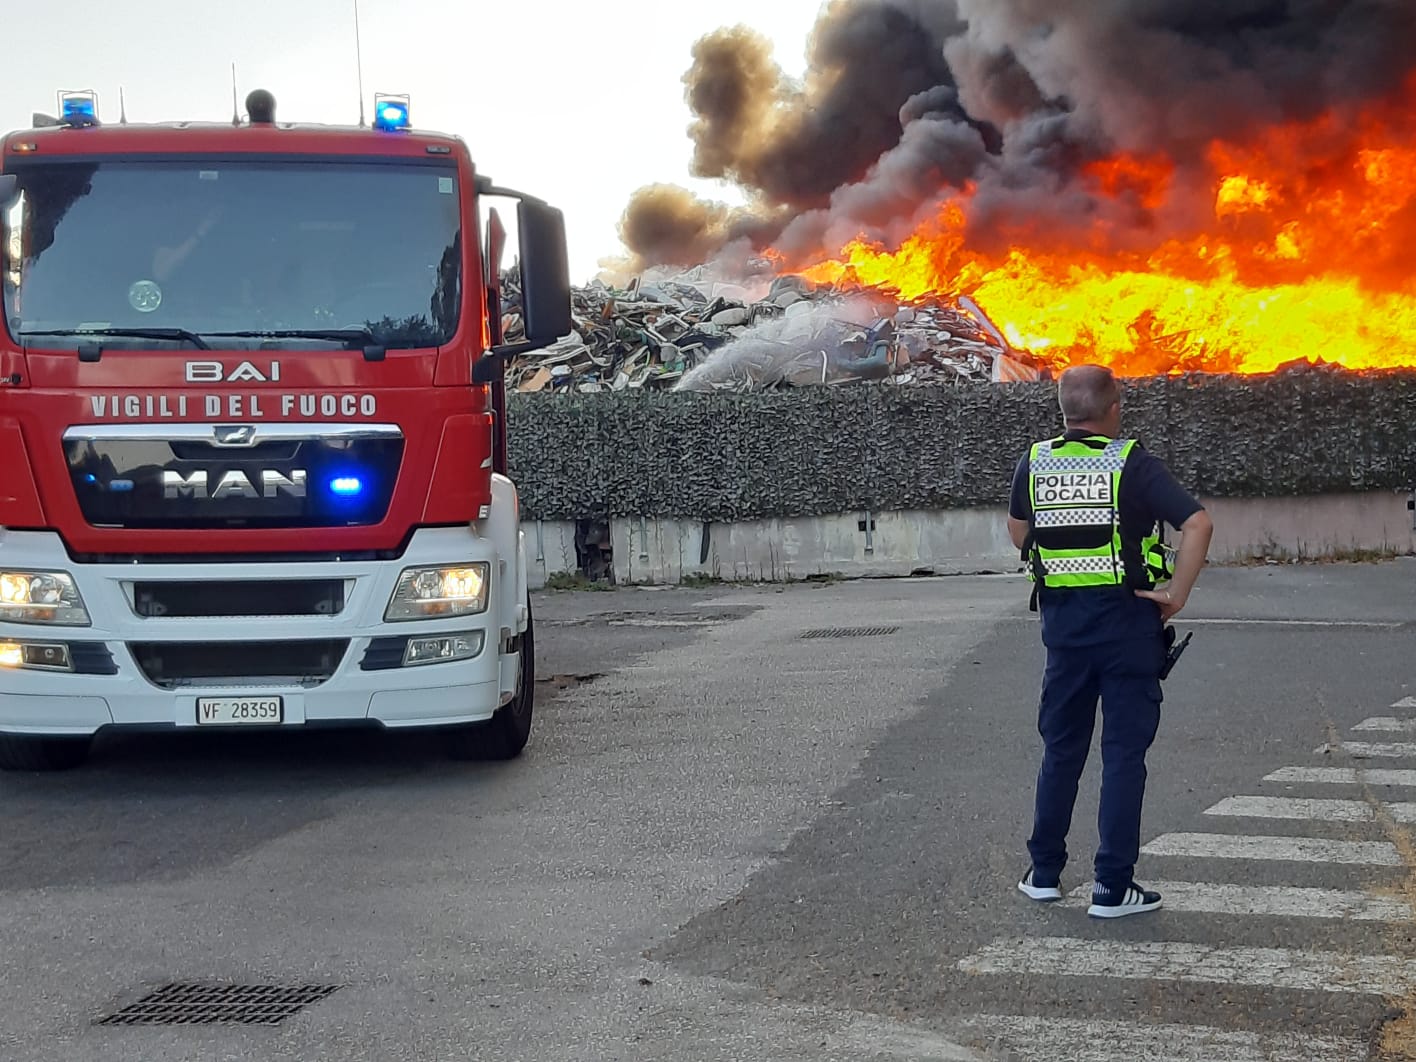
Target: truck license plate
239	711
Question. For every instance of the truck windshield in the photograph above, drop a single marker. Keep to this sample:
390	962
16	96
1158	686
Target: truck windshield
327	252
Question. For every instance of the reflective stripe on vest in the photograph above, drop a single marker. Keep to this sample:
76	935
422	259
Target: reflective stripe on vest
1110	459
1072	517
1082	566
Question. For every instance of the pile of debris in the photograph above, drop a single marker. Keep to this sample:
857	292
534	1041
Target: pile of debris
690	332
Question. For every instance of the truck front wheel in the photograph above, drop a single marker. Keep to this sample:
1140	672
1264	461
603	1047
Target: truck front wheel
22	753
504	735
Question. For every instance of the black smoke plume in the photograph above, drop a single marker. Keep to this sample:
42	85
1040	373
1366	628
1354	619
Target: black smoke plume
906	100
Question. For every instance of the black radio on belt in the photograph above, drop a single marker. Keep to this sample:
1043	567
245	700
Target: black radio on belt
1173	651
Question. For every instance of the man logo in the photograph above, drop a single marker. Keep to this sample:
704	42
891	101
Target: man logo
233	484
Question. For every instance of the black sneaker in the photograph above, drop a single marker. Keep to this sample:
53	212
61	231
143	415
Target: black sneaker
1118	903
1035	888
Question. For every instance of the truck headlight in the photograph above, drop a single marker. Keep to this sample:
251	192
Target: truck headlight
442	649
36	656
41	597
435	593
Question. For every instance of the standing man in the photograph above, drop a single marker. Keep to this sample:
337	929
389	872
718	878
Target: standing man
1086	513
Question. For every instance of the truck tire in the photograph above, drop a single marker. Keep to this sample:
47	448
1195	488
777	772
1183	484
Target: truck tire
19	753
504	735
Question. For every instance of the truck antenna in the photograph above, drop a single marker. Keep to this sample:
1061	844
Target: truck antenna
122	108
235	107
359	63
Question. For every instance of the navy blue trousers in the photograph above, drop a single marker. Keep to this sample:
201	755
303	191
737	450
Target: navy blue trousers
1125	676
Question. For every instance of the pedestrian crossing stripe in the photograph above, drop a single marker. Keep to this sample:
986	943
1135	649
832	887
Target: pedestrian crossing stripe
1182	961
1278	901
1032	1039
1388	750
1315	809
1277	849
1343	776
1387	723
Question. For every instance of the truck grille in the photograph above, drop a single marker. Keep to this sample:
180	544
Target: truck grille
193	476
92	658
173	665
252	597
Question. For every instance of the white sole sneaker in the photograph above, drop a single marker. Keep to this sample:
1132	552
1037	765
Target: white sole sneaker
1036	892
1135	902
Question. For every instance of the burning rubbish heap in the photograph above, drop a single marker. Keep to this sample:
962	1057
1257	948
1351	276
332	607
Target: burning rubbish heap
690	332
1168	186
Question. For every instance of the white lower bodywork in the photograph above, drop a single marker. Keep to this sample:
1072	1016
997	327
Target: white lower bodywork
66	704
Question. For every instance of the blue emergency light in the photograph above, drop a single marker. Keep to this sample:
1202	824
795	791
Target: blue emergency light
390	112
346	486
79	108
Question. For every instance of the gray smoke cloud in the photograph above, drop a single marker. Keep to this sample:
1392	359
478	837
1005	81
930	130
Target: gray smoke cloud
906	100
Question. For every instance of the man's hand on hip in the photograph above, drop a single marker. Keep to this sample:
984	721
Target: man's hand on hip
1169	604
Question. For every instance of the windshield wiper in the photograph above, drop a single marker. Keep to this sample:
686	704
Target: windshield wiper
126	333
364	337
344	335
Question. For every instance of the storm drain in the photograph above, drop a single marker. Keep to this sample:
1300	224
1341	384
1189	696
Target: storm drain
205	1004
849	632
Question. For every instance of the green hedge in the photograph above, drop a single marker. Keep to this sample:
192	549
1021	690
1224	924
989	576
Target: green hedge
849	448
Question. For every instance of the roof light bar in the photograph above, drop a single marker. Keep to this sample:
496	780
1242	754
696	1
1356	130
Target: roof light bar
79	108
390	112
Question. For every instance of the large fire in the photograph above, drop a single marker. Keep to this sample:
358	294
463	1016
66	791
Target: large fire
1306	250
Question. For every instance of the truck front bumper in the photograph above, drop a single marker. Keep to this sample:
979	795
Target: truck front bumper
128	669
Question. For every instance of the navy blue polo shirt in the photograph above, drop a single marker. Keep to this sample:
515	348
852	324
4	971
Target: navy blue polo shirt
1085	616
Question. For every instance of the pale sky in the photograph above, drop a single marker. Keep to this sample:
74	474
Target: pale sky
577	102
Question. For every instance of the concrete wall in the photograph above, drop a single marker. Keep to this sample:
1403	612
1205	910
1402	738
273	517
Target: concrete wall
1314	527
550	549
897	543
881	480
951	542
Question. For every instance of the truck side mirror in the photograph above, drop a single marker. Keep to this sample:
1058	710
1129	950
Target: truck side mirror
9	189
545	273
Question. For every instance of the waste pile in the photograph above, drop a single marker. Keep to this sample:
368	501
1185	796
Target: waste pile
690	332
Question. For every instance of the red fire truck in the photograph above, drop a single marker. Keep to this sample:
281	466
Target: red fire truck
252	433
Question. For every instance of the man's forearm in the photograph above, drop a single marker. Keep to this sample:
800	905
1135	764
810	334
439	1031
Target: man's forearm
1017	531
1190	558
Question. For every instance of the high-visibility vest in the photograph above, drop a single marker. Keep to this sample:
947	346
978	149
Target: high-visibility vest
1075	538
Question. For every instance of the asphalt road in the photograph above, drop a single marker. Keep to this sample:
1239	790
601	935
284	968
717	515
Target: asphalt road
728	841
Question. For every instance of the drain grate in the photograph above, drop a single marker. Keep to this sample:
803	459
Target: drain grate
208	1004
849	632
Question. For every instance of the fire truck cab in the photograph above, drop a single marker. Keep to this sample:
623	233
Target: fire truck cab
252	432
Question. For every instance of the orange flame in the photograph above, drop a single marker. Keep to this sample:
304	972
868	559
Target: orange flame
1305	251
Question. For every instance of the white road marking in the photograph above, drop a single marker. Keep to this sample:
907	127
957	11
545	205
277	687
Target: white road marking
881	1038
1076	1040
1394	750
1342	776
1307	971
1405	702
1386	722
1289	849
1216	622
1274	900
1319	810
